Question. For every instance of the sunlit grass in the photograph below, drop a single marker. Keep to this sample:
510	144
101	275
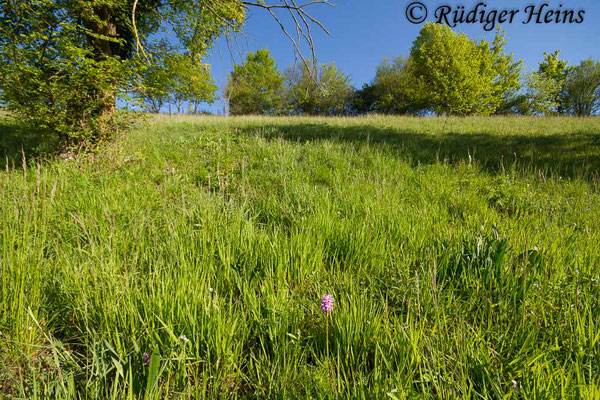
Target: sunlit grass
462	256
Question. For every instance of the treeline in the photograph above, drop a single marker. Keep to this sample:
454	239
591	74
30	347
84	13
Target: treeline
176	79
445	74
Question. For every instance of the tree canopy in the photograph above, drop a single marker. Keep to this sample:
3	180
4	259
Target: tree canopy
256	86
460	76
555	70
582	88
559	89
397	91
63	62
326	90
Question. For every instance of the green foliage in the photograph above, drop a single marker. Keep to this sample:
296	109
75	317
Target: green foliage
255	87
334	90
64	62
582	88
462	266
460	76
190	79
553	67
506	72
519	104
49	78
555	70
449	66
175	77
397	89
157	80
324	90
543	93
364	99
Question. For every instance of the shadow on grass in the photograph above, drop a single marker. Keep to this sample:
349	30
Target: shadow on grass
568	153
565	154
18	141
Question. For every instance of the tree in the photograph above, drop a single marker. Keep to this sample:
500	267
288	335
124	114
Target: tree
515	104
546	86
302	90
506	72
396	89
582	89
255	87
326	91
364	99
460	76
541	92
190	80
335	91
175	77
63	62
556	70
157	80
449	66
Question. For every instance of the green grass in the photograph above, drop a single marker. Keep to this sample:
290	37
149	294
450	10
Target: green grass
462	255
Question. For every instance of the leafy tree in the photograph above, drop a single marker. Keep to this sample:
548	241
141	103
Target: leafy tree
515	104
157	80
582	88
364	99
541	92
506	72
450	68
191	80
326	91
556	70
546	87
396	89
335	91
302	91
255	87
63	62
175	77
460	76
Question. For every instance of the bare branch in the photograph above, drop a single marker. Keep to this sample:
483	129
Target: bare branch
300	33
308	36
138	44
303	5
296	45
302	23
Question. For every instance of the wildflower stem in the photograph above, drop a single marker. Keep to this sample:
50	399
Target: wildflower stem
329	366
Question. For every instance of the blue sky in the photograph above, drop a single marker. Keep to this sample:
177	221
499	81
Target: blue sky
362	32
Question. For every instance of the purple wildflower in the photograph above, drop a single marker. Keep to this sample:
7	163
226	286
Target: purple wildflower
326	303
184	338
146	359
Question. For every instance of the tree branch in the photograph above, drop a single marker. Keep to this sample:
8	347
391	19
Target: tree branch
302	21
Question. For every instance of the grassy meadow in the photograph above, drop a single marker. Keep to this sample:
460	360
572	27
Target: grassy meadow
462	254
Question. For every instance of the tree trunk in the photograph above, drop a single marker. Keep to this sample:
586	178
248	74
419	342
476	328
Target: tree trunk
101	21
